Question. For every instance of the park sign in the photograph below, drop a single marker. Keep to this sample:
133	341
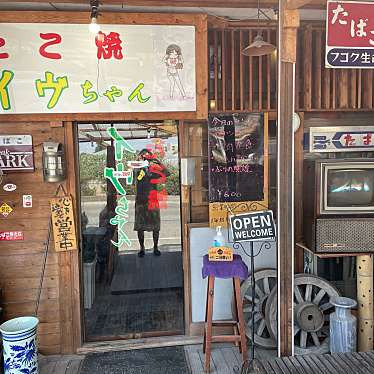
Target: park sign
250	227
350	34
16	153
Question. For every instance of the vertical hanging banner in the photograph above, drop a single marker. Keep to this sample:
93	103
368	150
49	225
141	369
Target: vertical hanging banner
120	178
238	169
63	224
350	34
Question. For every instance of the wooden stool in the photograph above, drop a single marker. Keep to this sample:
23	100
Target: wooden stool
235	270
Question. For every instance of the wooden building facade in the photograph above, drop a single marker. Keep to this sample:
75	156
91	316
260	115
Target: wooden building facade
227	82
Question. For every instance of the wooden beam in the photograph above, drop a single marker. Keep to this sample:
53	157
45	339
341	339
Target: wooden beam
296	4
287	37
317	4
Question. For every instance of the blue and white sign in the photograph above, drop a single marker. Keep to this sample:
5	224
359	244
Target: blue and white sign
341	139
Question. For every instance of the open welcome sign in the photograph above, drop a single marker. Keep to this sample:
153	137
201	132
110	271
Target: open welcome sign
248	227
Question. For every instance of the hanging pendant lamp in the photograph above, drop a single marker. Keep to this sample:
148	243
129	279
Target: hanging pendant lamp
259	47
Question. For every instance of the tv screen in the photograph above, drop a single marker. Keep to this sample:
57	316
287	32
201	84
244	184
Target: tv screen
350	187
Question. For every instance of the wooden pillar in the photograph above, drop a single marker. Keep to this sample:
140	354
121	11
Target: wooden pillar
287	34
365	302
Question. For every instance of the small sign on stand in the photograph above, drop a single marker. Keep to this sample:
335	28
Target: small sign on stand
220	254
251	227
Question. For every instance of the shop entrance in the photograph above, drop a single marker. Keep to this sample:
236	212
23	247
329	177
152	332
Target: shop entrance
130	230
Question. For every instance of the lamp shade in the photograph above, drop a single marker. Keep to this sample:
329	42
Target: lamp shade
259	47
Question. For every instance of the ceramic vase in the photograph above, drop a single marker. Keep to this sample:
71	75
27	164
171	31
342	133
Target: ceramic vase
19	345
343	326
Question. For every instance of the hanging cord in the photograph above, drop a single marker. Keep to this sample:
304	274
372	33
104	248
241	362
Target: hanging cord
46	248
60	188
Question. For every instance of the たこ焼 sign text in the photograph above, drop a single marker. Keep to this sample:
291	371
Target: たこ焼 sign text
63	68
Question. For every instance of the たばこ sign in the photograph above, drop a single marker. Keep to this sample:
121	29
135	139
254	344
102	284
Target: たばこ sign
350	34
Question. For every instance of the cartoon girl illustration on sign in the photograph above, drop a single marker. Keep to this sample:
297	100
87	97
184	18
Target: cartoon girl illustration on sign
174	62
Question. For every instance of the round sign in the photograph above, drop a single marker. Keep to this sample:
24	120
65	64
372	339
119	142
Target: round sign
9	187
295	122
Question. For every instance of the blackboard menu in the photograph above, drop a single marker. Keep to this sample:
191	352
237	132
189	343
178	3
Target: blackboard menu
236	157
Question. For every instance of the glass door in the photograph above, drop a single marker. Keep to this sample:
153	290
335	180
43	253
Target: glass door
131	231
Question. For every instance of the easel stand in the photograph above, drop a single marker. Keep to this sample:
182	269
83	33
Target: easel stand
238	245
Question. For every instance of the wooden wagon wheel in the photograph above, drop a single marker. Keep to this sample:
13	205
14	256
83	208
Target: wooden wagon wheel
312	310
265	282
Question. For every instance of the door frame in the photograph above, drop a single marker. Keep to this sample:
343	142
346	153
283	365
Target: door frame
184	220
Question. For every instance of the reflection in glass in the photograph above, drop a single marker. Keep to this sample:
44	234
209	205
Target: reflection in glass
133	286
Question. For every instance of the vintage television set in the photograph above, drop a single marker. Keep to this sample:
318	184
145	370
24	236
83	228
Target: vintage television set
339	205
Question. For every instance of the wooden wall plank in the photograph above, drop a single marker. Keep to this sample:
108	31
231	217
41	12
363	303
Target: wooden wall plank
17	272
343	88
30	294
65	302
259	73
333	89
367	97
48	311
317	79
232	37
325	81
13	284
223	53
250	75
359	89
75	324
241	80
307	68
352	89
268	75
215	58
298	194
27	260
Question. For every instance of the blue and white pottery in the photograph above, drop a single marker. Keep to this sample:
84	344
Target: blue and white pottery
19	345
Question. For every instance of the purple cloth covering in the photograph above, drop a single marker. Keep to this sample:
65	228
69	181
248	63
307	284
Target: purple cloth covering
225	269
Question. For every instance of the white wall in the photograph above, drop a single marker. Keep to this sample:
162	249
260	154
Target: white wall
200	240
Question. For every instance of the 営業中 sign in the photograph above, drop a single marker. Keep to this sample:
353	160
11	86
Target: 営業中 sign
341	139
63	68
250	227
16	153
63	224
350	34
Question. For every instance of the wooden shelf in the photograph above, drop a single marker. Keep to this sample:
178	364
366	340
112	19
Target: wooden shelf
330	255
